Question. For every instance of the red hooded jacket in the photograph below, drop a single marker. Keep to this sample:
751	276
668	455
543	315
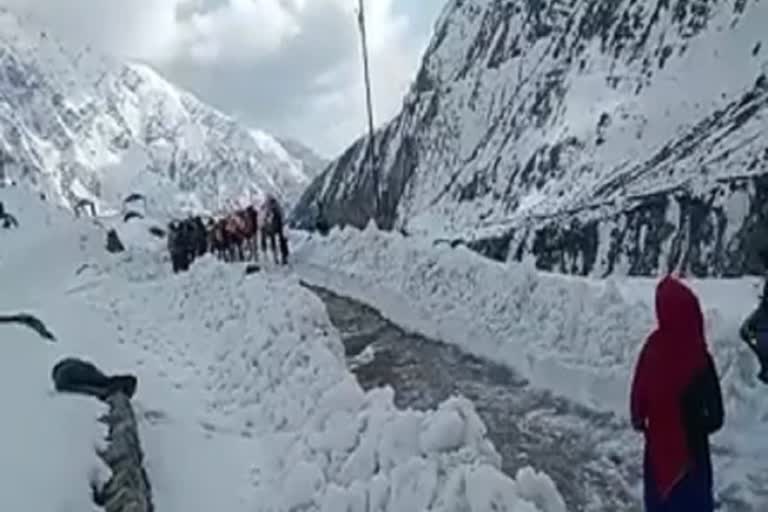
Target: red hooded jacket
670	359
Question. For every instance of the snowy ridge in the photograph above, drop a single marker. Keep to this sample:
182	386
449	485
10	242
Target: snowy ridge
314	164
244	401
576	336
79	125
601	137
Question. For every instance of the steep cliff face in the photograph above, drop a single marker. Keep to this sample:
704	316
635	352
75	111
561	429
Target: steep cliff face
76	125
599	137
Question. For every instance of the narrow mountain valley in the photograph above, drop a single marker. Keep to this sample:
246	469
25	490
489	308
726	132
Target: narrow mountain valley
600	138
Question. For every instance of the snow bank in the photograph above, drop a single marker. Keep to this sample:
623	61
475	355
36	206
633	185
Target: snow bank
269	367
48	441
577	336
136	234
38	257
244	401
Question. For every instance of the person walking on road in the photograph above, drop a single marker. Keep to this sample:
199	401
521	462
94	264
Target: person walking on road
676	402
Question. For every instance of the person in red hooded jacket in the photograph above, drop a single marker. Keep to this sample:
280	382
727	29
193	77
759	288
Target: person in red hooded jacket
677	403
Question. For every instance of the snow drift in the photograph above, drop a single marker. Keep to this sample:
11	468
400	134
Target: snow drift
244	399
576	336
270	366
48	442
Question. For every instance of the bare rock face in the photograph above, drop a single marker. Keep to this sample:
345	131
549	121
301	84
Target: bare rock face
128	490
600	137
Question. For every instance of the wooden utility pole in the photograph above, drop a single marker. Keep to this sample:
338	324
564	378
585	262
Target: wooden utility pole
370	150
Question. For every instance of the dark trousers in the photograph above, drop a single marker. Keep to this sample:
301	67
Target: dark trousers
691	494
180	261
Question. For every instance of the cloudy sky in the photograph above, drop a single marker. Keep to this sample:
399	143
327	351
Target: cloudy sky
291	67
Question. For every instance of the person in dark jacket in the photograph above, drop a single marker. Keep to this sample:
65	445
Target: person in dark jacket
201	237
754	332
321	221
677	403
177	247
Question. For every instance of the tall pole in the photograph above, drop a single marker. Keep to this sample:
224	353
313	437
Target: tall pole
370	150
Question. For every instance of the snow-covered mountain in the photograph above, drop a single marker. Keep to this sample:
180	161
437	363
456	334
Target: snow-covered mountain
601	137
313	163
81	125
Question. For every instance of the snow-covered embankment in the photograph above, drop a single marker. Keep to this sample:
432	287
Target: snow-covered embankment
576	336
244	400
269	366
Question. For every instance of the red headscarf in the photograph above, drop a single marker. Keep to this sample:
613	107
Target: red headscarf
671	357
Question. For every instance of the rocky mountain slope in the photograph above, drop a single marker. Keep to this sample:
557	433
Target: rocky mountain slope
78	125
599	137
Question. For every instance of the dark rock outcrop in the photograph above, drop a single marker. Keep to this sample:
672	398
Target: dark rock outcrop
114	244
30	321
73	375
132	215
157	232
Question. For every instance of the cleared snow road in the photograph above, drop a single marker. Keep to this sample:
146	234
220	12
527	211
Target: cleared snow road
527	426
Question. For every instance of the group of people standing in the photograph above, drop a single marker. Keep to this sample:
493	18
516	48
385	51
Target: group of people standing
676	400
232	237
187	239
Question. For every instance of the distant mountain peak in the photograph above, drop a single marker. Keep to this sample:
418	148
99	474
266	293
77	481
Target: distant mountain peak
313	163
77	124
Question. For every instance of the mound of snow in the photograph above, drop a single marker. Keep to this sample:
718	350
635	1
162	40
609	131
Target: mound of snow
38	257
244	399
268	365
48	442
584	332
577	336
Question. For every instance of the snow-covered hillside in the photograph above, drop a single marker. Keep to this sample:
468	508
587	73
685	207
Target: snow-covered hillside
313	163
601	137
80	125
244	400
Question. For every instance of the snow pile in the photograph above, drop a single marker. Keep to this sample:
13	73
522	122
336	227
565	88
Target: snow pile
268	366
137	234
48	442
244	399
577	336
38	257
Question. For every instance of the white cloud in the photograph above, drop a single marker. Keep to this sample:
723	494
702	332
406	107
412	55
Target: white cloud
136	28
238	31
292	67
